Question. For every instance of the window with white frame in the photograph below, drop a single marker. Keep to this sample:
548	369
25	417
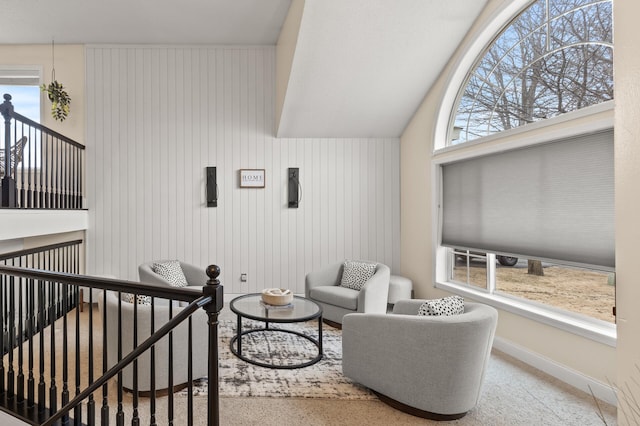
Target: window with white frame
528	219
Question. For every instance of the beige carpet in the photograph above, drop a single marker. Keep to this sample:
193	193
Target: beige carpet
513	394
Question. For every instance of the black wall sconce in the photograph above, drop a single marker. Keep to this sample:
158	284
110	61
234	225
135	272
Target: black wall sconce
295	189
212	187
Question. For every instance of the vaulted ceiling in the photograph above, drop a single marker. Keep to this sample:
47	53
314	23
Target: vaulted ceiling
359	68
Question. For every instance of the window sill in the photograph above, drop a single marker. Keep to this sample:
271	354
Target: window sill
599	331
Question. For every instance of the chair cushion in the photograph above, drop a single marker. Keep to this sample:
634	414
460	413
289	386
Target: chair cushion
335	295
452	305
170	271
356	273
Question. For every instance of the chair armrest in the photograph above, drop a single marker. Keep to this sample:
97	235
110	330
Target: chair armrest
407	306
330	275
374	294
147	275
195	275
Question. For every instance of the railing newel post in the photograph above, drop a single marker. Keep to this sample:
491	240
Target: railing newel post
8	198
214	289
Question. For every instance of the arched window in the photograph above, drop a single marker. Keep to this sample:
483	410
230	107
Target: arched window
540	93
556	56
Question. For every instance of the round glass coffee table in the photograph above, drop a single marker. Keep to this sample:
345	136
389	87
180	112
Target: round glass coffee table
250	306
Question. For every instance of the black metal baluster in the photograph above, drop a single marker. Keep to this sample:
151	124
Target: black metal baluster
105	366
20	337
135	420
56	174
152	390
120	413
80	181
30	168
41	315
12	338
77	411
60	176
72	180
3	292
190	373
53	390
51	173
65	348
21	193
91	405
31	331
76	178
43	171
65	174
170	413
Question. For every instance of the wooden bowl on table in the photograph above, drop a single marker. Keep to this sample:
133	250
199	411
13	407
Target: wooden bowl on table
277	296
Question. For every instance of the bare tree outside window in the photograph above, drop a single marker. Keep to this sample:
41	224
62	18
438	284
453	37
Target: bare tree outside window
555	57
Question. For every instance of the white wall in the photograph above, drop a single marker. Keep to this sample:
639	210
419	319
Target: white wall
627	160
158	116
554	347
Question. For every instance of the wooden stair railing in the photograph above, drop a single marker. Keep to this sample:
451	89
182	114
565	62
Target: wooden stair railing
34	393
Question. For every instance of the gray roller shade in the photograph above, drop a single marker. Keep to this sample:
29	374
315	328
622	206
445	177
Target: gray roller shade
552	201
21	77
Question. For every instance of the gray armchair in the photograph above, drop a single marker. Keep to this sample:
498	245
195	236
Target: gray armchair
181	351
195	275
323	287
428	366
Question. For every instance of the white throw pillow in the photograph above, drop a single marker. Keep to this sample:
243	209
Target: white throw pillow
170	271
356	273
452	305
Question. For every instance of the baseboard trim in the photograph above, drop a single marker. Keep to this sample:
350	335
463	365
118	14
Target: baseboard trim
587	384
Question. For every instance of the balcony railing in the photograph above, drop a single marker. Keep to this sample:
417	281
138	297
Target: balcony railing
39	168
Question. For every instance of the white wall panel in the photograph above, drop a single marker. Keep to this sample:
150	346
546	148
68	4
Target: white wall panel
157	116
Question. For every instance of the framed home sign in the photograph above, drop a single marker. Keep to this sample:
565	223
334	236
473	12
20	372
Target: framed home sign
251	178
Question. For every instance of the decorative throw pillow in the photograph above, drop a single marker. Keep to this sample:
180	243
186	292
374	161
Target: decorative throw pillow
170	271
142	299
452	305
356	273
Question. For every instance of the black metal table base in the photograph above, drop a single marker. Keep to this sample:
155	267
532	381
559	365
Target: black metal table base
237	350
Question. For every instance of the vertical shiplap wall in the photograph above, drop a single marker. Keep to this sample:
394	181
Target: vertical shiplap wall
157	116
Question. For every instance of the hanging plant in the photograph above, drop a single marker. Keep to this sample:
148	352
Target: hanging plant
59	98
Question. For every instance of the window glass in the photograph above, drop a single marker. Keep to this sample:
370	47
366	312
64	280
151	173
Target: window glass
469	268
555	57
25	100
578	290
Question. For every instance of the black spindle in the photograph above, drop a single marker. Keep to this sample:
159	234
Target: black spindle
120	413
105	365
31	331
152	391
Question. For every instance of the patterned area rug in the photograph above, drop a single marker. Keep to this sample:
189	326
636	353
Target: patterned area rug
321	380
